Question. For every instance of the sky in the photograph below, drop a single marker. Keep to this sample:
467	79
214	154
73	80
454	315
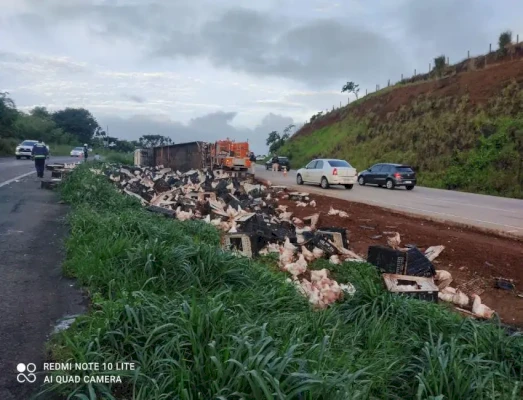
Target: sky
211	69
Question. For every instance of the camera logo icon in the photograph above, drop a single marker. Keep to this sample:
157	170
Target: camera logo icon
22	376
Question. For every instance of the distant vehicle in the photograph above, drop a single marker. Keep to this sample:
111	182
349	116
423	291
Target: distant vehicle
77	152
389	175
260	158
327	172
283	162
25	149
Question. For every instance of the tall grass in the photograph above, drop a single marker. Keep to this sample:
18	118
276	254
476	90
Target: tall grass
201	323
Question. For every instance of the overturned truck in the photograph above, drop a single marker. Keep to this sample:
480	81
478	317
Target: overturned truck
223	154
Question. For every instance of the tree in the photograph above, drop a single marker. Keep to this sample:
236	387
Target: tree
79	122
40	112
274	136
439	64
505	38
148	141
351	87
288	129
275	141
8	115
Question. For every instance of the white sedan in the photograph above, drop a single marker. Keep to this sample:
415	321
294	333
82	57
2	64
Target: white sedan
77	152
326	172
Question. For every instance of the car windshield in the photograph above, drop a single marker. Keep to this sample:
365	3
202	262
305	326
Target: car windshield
282	158
339	163
404	168
78	148
28	143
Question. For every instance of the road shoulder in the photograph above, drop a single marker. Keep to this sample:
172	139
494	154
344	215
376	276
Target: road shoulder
33	292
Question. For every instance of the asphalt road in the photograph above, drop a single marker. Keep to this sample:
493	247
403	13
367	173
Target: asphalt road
12	169
33	293
482	211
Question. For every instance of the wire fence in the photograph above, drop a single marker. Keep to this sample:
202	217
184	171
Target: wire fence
514	50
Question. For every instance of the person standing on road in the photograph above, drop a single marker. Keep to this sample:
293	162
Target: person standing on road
86	152
252	158
275	164
40	153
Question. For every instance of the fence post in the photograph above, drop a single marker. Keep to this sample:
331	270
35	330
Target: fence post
468	54
490	48
430	67
388	84
517	38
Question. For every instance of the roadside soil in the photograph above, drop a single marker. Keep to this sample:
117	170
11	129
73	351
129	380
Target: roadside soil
473	258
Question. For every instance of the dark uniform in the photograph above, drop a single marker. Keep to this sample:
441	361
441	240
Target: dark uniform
86	153
39	154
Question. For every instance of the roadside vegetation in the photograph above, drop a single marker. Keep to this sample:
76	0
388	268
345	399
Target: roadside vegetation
201	323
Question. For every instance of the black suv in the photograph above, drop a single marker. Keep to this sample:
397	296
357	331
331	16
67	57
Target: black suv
282	161
388	175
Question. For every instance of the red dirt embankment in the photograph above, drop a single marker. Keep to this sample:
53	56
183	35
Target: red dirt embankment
470	256
480	85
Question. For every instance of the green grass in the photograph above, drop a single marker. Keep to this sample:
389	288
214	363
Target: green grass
450	143
201	323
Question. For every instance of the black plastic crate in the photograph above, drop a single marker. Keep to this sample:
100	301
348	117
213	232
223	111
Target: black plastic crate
341	231
387	260
418	265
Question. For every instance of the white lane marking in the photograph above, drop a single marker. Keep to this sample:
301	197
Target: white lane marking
16	178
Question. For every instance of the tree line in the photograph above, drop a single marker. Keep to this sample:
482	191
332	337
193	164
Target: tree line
70	126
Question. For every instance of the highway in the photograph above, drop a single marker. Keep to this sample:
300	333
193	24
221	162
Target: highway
12	169
487	212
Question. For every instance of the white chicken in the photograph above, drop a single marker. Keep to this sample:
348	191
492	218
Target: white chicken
233	228
309	255
333	211
183	215
282	208
318	253
312	203
481	310
335	259
301	204
268	197
442	278
394	241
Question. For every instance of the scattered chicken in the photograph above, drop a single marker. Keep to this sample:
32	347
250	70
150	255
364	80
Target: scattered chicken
268	197
318	253
301	204
233	228
309	255
442	278
481	310
394	241
332	211
343	214
335	259
434	251
298	222
312	203
286	216
183	215
282	208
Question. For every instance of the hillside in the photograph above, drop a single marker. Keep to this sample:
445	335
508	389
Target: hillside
461	131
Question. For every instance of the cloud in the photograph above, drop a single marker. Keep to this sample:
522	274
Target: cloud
209	127
135	98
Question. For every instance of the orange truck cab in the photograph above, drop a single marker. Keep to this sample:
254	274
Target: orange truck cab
228	154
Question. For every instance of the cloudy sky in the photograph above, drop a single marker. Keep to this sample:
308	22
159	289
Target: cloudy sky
208	69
